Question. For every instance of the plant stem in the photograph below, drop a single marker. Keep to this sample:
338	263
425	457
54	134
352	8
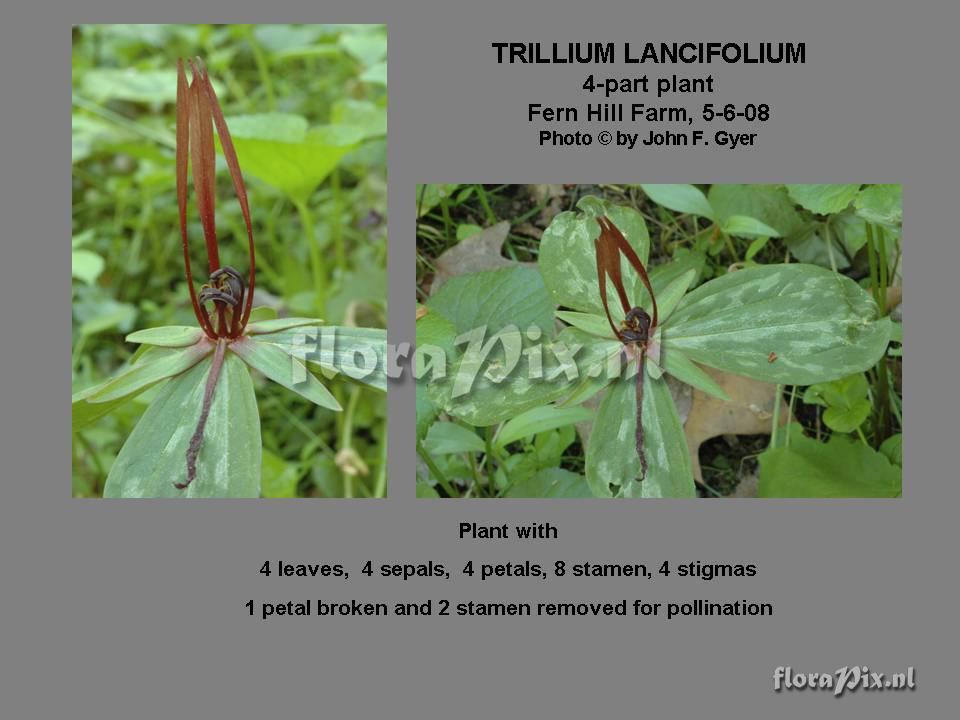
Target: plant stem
336	224
263	69
775	431
317	264
434	470
380	486
346	435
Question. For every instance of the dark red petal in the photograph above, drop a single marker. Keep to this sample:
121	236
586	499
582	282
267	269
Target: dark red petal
203	157
626	249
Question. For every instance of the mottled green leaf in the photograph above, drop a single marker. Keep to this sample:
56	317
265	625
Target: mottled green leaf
568	258
680	198
823	199
167	336
359	353
154	456
842	467
818	325
284	369
537	420
435	335
594	324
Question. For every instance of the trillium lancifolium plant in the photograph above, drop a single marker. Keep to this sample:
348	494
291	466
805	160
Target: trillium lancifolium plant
201	436
791	324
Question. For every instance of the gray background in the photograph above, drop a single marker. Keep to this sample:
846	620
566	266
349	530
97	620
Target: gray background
135	609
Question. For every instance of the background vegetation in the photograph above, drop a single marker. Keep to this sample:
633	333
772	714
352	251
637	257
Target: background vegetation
844	437
318	197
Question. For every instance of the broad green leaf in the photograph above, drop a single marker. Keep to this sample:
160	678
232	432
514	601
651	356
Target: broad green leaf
484	390
358	353
769	204
881	204
537	420
261	313
669	473
823	199
282	151
568	260
612	461
264	327
366	46
445	438
680	198
494	299
892	449
167	336
138	377
375	74
842	467
87	266
743	226
284	369
818	325
846	399
154	456
684	259
589	323
683	369
551	483
426	491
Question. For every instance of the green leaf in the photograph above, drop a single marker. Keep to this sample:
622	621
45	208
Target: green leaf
683	369
495	299
138	377
842	467
820	325
892	449
358	353
769	204
367	47
430	195
537	420
881	204
743	226
823	199
285	370
87	266
483	391
551	483
612	464
611	455
445	438
264	327
680	198
846	399
279	149
154	456
756	246
568	260
364	115
167	336
425	490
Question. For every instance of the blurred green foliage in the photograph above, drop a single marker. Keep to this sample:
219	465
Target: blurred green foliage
320	250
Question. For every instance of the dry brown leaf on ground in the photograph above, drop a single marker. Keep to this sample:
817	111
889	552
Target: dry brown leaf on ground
475	253
552	197
748	412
